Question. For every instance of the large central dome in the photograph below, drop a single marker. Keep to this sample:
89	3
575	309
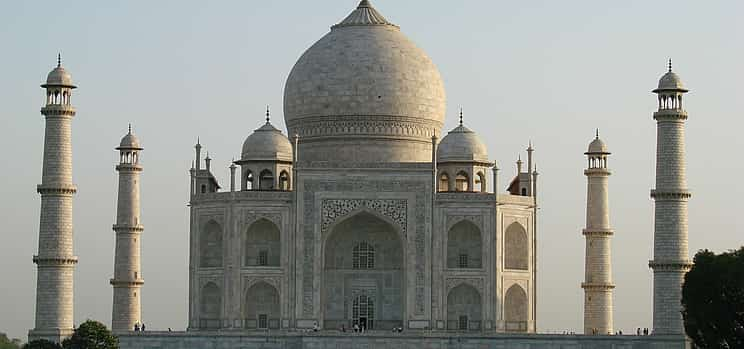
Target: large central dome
364	93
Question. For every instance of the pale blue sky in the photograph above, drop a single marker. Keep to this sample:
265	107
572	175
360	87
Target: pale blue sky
549	71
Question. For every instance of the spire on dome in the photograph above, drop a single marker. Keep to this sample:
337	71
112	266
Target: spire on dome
268	114
130	128
670	65
365	14
597	133
460	116
59	60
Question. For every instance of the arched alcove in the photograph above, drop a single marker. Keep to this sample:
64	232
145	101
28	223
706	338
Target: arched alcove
363	255
464	246
516	309
211	306
262	308
516	248
266	180
462	181
464	308
210	245
444	182
262	244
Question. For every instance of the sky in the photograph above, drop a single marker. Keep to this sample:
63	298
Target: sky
546	71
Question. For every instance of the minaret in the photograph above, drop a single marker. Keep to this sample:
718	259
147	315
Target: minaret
127	279
671	259
55	260
597	285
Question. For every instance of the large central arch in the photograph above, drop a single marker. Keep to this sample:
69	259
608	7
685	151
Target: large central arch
363	274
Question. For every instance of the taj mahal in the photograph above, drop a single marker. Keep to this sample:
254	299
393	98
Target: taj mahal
363	214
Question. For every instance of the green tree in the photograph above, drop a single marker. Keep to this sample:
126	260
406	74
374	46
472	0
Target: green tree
7	343
713	300
91	335
41	344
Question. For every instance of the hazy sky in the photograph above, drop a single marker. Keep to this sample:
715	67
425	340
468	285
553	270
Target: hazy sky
549	71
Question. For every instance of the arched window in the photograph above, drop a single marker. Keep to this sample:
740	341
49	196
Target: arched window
444	182
211	306
516	309
461	181
524	191
248	181
266	180
480	182
363	256
284	181
363	312
516	254
210	245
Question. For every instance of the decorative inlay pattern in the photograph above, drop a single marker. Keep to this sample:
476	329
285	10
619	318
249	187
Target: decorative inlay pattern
477	283
333	209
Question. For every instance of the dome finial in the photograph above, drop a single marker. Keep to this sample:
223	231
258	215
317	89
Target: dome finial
130	128
460	116
597	133
670	65
59	60
268	114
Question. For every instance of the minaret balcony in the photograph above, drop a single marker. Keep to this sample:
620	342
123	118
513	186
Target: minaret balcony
58	110
670	115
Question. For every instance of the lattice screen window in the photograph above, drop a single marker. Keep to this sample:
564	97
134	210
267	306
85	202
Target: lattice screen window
462	260
263	258
363	256
462	323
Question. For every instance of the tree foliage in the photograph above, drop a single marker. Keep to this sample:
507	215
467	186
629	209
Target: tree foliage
713	300
7	343
41	344
91	335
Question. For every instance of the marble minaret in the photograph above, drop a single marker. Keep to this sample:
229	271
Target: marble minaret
597	284
127	279
55	260
671	258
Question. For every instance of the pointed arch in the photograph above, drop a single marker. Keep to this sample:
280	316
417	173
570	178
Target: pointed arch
462	181
516	309
266	180
210	245
211	306
464	245
261	307
480	182
363	255
444	182
262	244
464	308
284	183
516	248
248	182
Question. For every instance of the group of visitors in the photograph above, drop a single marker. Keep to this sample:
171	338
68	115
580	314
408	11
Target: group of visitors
642	332
139	327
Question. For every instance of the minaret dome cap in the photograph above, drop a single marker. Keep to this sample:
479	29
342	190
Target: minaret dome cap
597	146
129	142
670	82
59	77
